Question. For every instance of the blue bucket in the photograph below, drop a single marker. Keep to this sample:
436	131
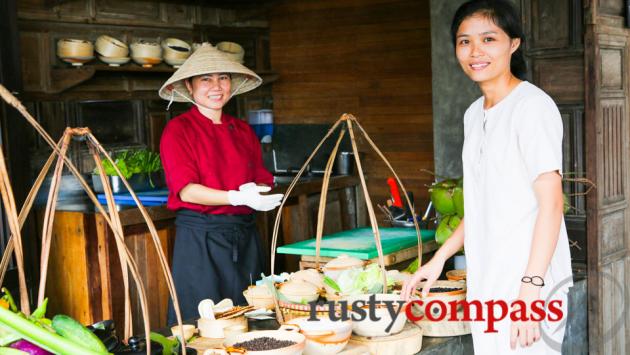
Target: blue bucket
262	124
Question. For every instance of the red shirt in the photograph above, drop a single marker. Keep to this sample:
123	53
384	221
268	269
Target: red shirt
220	156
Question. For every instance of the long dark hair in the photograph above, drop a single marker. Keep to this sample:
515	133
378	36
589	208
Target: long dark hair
504	15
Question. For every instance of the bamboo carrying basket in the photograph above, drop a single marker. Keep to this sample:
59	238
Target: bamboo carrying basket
346	121
15	221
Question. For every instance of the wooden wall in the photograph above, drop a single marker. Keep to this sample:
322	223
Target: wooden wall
370	58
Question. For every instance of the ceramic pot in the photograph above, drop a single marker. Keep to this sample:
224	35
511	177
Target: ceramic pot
110	47
325	337
376	328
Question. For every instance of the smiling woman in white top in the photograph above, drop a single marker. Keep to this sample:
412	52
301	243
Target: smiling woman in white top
514	233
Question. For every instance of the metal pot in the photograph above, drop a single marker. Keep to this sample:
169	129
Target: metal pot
344	163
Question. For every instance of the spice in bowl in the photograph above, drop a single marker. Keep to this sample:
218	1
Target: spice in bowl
263	344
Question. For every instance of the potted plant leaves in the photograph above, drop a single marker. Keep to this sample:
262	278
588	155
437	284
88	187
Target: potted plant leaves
142	169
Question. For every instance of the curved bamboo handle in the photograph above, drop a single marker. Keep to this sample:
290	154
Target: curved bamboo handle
348	119
14	224
402	187
368	202
321	213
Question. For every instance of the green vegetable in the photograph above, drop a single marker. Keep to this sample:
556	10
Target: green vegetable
52	342
413	267
445	228
9	351
75	331
331	283
7	337
442	196
168	345
40	312
458	198
359	281
7	297
133	162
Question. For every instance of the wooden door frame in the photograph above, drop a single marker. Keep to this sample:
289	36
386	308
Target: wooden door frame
608	255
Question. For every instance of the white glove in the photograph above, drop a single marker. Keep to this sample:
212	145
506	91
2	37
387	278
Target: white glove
249	195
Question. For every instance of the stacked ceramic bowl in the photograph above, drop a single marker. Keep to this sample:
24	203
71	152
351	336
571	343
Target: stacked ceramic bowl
176	51
112	51
75	51
233	50
146	53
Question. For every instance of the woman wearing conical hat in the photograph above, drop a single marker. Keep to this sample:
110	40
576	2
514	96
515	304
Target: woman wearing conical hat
216	180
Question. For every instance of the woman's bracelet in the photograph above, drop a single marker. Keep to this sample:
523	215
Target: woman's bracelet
534	280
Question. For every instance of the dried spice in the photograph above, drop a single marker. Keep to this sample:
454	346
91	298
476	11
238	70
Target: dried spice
263	344
443	289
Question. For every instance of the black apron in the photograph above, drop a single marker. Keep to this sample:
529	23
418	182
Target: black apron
216	257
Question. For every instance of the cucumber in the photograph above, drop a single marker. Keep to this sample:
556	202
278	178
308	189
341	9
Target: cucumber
77	333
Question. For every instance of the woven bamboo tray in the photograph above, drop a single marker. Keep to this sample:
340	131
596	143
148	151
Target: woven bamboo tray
291	310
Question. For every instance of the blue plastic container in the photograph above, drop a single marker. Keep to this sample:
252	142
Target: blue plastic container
262	123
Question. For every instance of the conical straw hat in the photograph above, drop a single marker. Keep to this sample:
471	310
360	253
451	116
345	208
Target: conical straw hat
207	60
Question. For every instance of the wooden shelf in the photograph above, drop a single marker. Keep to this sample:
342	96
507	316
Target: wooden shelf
66	77
134	68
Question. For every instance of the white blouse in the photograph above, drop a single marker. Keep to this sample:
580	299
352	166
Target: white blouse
505	149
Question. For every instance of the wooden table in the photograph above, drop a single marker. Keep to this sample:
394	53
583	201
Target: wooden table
84	275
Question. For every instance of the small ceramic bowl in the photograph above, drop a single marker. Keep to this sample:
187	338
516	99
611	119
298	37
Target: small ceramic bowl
213	328
189	331
174	62
176	49
110	47
291	335
234	50
323	337
144	49
259	297
376	328
75	51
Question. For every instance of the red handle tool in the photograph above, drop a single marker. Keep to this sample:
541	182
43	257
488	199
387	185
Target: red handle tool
393	189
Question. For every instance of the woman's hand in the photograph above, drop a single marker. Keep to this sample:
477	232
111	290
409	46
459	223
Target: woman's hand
430	272
528	332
